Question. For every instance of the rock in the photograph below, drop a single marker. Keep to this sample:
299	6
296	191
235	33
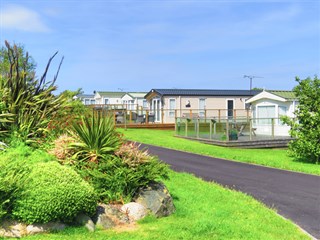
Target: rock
156	198
45	227
108	216
86	221
14	229
134	210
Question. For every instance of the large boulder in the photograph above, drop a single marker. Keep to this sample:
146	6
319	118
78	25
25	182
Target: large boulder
156	198
85	220
109	216
134	210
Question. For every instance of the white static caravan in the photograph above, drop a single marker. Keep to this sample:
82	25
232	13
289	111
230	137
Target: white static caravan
269	105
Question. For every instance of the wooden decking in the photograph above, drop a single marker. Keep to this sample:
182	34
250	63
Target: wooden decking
280	142
160	126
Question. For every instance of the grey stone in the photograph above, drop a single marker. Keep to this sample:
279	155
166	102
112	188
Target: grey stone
156	198
86	221
15	229
45	227
108	216
134	210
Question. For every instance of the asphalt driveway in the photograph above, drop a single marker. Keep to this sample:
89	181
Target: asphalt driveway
295	195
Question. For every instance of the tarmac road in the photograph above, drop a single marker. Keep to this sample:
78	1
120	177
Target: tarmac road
296	196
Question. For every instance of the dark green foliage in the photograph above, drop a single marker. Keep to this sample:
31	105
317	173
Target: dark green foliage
95	137
53	192
26	102
306	127
117	178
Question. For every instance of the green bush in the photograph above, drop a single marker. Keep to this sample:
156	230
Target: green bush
118	177
305	128
18	152
12	175
53	192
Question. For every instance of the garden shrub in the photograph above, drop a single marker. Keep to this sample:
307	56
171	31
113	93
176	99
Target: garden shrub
12	178
118	177
18	152
53	192
68	114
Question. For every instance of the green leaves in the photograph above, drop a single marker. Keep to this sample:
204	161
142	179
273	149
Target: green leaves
53	192
306	127
95	137
26	104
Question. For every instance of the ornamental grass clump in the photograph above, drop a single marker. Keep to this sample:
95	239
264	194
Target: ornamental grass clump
132	155
95	138
61	149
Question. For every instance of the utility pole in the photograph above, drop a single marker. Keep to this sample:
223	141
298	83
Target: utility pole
251	77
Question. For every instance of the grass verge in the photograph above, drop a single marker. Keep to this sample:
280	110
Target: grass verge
203	211
277	158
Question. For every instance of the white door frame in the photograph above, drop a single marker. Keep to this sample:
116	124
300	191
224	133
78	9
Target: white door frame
156	106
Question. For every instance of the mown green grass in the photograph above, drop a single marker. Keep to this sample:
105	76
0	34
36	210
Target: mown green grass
277	158
203	211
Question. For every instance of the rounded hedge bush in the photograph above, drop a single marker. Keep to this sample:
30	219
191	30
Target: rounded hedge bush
53	192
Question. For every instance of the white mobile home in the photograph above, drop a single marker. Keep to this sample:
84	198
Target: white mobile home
269	105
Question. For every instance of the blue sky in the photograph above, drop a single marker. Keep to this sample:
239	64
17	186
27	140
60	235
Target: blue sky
140	45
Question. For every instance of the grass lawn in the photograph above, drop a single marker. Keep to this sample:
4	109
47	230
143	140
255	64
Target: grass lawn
277	158
203	211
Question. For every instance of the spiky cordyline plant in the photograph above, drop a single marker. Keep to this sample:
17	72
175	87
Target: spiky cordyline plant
27	103
95	136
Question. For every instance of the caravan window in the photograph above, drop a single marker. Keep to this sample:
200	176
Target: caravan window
172	107
265	113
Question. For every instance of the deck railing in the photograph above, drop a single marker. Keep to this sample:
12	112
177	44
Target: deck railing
146	116
231	129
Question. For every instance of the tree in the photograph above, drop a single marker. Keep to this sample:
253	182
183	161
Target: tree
26	63
306	127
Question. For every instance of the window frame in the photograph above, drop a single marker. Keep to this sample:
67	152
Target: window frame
171	112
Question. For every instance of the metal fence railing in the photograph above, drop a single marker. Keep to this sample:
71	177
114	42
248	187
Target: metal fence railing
142	115
239	129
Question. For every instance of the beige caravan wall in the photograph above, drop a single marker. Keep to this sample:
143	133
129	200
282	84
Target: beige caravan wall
214	106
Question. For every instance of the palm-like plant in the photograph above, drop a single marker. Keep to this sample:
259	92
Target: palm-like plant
95	137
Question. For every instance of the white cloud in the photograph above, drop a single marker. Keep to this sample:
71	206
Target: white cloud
20	18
